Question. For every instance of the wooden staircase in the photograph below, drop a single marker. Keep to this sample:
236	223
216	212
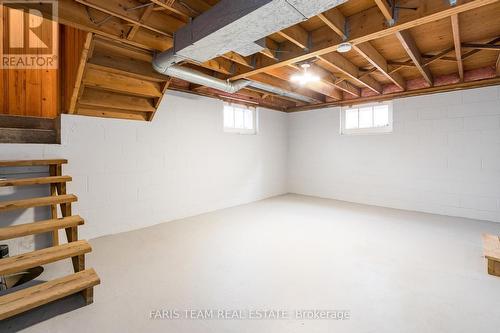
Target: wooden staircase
112	80
83	280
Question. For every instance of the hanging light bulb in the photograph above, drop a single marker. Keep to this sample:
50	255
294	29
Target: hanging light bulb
305	77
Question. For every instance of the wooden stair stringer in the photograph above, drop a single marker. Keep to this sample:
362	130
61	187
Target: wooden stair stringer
117	81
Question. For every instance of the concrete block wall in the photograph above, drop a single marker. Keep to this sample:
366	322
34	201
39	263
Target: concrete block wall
130	174
443	157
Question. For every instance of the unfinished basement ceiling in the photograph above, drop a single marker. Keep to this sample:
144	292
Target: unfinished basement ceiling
419	47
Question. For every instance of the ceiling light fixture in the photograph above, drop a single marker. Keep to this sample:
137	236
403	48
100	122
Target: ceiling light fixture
344	47
305	77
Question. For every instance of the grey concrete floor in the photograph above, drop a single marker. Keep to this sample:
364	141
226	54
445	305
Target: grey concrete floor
395	271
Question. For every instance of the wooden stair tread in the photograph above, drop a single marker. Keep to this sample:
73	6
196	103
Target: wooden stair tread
27	260
104	99
110	113
39	227
491	245
24	163
37	202
126	66
97	78
32	297
109	46
34	181
11	121
25	135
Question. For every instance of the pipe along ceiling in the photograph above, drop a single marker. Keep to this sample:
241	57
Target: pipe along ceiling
235	25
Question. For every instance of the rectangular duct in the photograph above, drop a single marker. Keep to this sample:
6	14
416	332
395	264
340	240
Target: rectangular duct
252	48
233	25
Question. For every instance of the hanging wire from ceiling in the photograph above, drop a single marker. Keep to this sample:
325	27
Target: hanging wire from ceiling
97	22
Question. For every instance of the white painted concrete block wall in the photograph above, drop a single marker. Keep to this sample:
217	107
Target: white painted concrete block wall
443	157
130	174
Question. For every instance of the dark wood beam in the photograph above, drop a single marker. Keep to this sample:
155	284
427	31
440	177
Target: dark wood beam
481	46
410	47
376	59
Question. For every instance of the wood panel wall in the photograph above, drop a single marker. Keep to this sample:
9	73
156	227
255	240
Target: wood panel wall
27	92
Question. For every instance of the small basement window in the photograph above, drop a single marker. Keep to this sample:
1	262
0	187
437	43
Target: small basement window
240	119
366	119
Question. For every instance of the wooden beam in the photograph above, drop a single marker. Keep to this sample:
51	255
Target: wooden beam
297	35
369	25
219	64
144	16
385	9
329	78
270	50
324	87
335	20
74	14
481	46
467	55
346	67
438	56
458	48
174	7
411	48
407	93
376	59
285	85
116	9
237	58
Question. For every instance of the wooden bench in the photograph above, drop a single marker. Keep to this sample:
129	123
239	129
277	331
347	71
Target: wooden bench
492	253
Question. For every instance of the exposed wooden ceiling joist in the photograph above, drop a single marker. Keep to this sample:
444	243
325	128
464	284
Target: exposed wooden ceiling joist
385	9
335	21
368	25
174	7
323	87
373	69
297	35
343	65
